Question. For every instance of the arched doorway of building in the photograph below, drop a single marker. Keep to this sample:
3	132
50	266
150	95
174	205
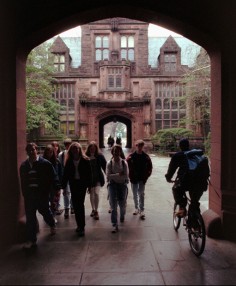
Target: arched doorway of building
115	118
116	130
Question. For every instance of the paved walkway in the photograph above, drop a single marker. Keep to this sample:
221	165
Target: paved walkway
146	252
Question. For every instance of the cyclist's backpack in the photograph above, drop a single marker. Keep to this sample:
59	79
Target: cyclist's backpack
198	173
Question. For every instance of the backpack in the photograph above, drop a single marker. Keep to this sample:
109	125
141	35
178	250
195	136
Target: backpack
198	171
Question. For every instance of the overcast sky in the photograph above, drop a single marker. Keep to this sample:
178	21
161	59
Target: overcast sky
154	31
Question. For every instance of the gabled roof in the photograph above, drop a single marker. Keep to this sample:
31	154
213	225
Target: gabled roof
189	50
170	45
59	46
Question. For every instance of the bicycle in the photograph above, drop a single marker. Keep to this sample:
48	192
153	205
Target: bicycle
194	225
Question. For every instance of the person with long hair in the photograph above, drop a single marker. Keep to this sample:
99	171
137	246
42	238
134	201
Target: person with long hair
77	172
50	154
56	147
98	165
118	177
66	191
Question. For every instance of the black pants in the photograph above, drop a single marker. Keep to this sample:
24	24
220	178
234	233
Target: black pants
33	203
78	192
180	198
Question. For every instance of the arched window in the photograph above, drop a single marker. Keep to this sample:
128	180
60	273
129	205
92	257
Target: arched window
98	42
123	42
131	42
105	42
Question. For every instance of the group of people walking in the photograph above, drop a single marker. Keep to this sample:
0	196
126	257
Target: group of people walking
76	172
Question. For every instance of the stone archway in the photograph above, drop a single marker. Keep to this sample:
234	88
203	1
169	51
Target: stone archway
122	117
185	21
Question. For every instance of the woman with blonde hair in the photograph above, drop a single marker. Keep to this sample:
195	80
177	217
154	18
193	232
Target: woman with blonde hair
98	165
78	173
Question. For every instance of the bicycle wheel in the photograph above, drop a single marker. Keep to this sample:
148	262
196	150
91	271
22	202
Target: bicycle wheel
176	219
197	234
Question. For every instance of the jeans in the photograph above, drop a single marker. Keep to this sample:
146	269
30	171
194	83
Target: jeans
67	197
138	195
117	196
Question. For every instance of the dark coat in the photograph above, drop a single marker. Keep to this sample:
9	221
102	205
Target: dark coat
84	170
139	170
178	161
101	167
47	177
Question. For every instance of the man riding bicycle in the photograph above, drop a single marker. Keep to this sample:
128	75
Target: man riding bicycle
179	161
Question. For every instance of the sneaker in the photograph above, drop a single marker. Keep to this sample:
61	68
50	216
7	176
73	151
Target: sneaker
96	216
136	212
29	245
114	229
181	212
72	211
55	220
92	213
142	215
53	230
122	219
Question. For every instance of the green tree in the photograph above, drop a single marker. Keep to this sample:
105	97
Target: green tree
42	110
198	93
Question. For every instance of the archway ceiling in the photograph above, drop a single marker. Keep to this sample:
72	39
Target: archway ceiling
50	17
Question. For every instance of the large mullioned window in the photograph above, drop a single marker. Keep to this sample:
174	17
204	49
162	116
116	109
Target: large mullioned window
169	107
65	95
127	47
114	78
101	48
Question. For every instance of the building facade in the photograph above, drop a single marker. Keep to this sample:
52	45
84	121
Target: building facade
115	82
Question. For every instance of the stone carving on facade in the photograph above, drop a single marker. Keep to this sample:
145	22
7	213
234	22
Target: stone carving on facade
114	55
114	24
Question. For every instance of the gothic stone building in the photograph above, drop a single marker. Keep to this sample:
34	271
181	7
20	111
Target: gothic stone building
114	81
